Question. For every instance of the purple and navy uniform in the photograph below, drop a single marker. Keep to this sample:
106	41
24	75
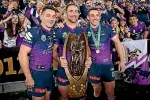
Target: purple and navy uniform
138	32
102	67
40	41
60	39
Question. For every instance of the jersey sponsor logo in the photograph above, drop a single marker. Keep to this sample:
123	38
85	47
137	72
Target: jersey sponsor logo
62	80
102	33
89	34
40	90
94	78
43	37
64	34
105	60
113	74
28	36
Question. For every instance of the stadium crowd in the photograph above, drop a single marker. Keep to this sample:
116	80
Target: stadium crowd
129	19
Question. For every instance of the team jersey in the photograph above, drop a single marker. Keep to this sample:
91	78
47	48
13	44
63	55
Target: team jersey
40	41
104	46
138	32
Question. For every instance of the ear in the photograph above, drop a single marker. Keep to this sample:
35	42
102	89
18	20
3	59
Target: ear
88	17
41	16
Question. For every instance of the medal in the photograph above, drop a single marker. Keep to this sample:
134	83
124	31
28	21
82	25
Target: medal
97	51
96	40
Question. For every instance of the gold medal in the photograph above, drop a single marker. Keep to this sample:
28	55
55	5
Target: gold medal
97	51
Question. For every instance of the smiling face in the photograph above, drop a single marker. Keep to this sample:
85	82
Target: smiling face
94	17
114	23
15	19
48	18
133	21
89	4
72	14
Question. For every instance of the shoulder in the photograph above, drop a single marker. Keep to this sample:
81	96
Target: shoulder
34	31
142	23
107	27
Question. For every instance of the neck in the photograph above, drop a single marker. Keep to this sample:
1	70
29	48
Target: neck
44	26
135	25
14	26
109	8
94	26
72	25
121	26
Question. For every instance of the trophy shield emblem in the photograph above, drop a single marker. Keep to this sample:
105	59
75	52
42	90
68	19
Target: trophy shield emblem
76	51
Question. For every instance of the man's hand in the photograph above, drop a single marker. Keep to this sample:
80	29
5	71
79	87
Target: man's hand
60	25
88	63
116	6
29	83
121	67
63	62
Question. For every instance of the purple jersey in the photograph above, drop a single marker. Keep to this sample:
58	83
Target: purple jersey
41	41
104	46
61	35
138	32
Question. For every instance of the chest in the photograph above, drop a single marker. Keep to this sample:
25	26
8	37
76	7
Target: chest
104	37
45	42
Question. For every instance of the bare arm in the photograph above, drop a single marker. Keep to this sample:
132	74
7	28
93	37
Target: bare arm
145	34
120	52
55	53
120	9
5	20
24	61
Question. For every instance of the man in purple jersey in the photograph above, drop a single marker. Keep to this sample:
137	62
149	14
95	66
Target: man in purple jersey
99	37
38	44
72	27
138	29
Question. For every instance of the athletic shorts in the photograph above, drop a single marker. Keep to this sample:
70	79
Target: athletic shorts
101	71
62	77
43	82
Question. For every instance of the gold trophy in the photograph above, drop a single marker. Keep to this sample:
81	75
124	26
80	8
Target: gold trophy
76	46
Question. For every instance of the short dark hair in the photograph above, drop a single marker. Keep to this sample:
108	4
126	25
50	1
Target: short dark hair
91	9
86	0
133	15
14	1
48	7
72	4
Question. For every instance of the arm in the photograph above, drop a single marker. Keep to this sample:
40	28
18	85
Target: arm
5	21
55	53
120	52
119	9
62	3
145	34
24	61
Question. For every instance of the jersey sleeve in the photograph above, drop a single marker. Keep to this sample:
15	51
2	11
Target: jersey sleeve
30	38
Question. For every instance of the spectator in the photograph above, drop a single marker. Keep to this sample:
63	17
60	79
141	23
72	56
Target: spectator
137	29
124	33
11	31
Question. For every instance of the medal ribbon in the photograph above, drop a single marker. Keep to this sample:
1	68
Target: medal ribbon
96	41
